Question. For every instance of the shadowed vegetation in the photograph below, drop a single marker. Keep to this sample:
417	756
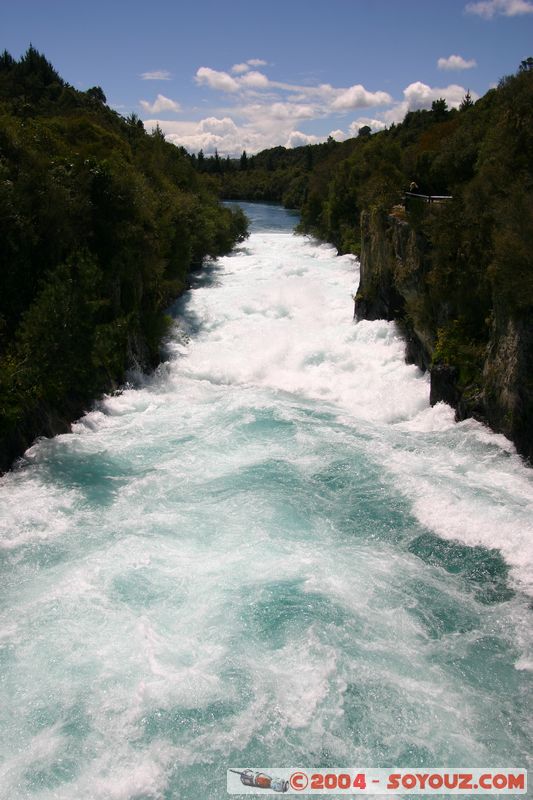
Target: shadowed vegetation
100	223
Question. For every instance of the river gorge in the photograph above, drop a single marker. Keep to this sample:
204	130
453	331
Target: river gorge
270	551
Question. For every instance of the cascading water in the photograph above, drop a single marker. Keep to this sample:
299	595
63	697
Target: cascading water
270	552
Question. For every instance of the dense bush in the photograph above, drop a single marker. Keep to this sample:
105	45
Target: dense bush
100	223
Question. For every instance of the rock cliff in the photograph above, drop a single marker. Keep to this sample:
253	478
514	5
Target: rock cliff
395	278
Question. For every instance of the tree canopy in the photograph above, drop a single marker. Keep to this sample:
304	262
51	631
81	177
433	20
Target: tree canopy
100	223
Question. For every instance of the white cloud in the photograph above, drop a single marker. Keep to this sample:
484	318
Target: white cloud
244	66
161	103
289	111
456	62
216	80
358	97
210	134
229	138
156	75
220	127
338	135
265	116
258	113
375	124
299	139
325	97
419	95
505	8
255	80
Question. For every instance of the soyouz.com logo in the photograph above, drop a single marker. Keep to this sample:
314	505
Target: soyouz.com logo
438	781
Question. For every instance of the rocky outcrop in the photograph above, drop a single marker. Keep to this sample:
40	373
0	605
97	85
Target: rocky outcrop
395	261
508	380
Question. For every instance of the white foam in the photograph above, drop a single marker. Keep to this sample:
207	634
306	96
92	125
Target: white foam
174	538
269	324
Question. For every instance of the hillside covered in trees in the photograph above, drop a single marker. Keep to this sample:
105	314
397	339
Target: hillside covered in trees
457	275
100	223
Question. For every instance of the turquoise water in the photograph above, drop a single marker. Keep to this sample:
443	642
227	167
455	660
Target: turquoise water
270	552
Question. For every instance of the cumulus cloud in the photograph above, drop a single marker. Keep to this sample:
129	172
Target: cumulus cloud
255	80
161	103
375	124
210	134
506	8
220	127
326	97
276	116
228	138
456	62
299	139
156	75
216	80
338	135
259	113
358	97
419	95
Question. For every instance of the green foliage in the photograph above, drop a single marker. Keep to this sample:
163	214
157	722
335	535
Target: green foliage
279	174
100	223
454	347
340	189
511	268
466	102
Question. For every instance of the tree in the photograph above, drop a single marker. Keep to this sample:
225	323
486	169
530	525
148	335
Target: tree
466	102
366	130
439	108
526	65
244	161
6	61
134	121
36	65
97	93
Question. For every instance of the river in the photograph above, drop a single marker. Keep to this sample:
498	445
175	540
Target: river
271	551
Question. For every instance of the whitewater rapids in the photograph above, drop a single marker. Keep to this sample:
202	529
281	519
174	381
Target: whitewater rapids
270	552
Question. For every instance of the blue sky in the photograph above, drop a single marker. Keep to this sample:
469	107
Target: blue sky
254	74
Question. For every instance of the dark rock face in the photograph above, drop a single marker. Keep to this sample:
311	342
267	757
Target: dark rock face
443	386
394	263
508	380
378	296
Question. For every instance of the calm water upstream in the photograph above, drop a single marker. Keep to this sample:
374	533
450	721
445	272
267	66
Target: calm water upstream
270	552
